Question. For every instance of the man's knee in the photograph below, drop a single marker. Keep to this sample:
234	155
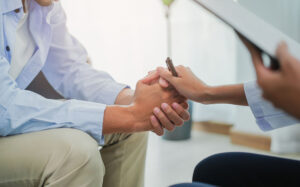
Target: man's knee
119	138
76	145
62	155
77	157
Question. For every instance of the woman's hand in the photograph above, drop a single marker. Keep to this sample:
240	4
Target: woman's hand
187	84
281	87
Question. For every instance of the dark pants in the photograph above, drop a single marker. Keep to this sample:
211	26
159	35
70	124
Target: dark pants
246	169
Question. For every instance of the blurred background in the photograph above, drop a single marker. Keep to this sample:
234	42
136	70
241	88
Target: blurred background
128	38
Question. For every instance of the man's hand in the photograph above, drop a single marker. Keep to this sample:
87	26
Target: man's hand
138	116
281	87
149	97
166	116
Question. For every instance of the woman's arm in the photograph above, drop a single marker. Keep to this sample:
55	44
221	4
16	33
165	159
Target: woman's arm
229	94
188	85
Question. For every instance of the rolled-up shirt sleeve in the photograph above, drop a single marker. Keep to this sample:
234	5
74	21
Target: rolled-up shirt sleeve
267	116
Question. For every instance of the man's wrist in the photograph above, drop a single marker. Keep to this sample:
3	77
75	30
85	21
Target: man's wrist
119	119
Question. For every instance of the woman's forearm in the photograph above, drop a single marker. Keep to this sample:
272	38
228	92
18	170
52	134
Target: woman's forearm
230	94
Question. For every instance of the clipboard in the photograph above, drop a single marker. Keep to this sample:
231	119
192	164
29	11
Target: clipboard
260	33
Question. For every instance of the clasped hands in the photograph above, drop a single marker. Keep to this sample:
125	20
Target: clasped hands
158	106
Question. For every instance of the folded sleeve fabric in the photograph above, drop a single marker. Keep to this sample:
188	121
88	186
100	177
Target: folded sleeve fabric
267	116
23	111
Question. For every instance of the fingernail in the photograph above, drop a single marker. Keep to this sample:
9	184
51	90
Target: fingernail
164	106
156	110
175	105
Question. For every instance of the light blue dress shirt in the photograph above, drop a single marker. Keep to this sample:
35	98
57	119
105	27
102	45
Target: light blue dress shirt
267	116
62	59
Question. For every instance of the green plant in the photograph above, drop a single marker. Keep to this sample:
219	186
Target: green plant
168	2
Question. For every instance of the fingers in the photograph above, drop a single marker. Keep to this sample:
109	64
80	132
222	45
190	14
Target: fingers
153	75
287	61
163	83
165	122
254	52
139	84
183	113
172	115
157	128
185	105
282	52
165	74
257	60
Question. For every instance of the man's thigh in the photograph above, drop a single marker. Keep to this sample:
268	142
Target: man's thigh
54	157
124	159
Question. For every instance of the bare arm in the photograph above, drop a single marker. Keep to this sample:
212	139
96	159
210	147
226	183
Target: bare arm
230	94
193	88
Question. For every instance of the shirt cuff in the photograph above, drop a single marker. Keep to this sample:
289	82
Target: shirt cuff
254	98
88	117
267	116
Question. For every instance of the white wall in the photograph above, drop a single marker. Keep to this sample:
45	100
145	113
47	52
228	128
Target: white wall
123	37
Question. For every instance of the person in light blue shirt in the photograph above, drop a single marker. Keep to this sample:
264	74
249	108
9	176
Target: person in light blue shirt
274	101
46	142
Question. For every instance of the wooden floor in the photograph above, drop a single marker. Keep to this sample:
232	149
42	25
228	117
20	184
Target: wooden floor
255	141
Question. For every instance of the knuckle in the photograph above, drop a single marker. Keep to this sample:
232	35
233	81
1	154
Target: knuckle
181	111
168	111
180	67
178	108
161	115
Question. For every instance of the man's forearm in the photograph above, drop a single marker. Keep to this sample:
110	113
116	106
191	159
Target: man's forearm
231	94
118	119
